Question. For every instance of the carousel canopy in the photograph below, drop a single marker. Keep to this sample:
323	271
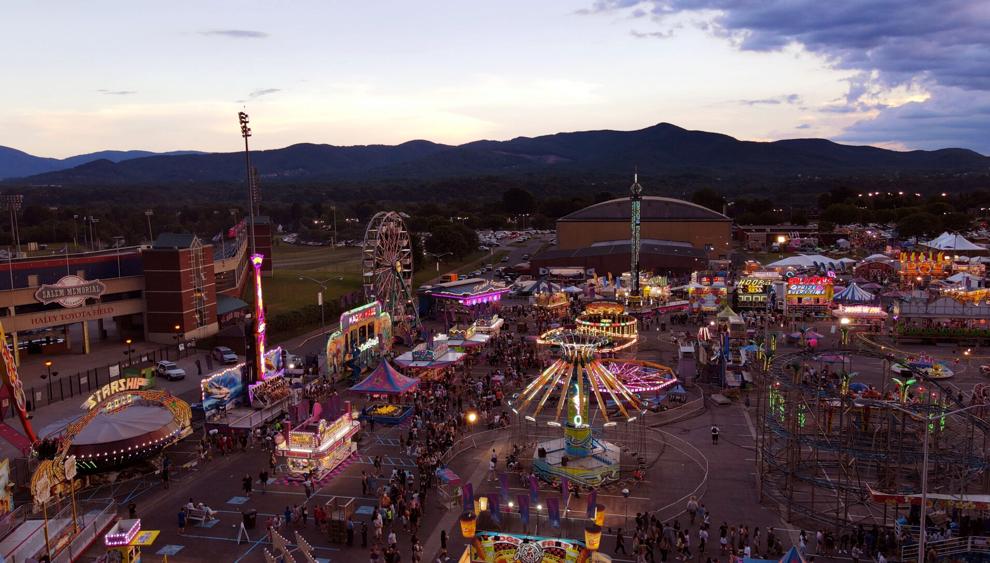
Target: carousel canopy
949	241
386	380
853	294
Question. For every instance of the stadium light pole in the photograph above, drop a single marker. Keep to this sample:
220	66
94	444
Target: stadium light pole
244	121
148	213
320	296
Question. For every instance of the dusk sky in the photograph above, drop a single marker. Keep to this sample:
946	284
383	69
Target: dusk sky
86	76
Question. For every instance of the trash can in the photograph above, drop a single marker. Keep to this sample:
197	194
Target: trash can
250	518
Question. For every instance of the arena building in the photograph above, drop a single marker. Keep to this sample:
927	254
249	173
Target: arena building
180	286
675	235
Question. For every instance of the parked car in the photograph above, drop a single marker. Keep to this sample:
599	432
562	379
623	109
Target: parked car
170	371
294	365
224	355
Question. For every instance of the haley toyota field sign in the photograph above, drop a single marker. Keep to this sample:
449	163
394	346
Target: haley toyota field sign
70	291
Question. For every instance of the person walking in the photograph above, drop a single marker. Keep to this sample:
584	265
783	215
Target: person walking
182	519
620	543
263	479
692	508
246	484
715	432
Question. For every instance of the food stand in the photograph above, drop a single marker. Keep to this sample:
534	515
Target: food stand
126	538
317	446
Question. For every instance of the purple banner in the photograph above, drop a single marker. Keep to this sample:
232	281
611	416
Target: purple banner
503	487
534	490
553	512
494	508
523	509
565	489
592	503
467	494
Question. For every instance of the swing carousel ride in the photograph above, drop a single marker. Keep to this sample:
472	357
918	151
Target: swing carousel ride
572	381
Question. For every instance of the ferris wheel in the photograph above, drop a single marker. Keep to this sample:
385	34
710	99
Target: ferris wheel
388	268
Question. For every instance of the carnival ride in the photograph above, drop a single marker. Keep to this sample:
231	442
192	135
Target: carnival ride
606	320
641	377
827	448
572	380
387	265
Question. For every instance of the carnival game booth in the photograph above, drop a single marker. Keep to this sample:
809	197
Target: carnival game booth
946	318
706	298
364	337
754	293
502	547
464	301
860	307
468	340
489	325
427	359
319	444
919	268
125	539
386	381
808	296
556	304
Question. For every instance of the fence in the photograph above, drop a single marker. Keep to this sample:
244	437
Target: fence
62	387
949	547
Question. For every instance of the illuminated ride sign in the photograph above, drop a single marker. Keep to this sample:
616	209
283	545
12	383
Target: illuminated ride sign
810	286
112	388
362	314
69	291
753	285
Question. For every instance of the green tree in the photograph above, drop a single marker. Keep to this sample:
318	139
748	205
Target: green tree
454	238
516	201
919	224
841	213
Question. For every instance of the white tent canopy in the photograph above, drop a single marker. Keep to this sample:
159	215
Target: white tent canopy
949	241
962	278
809	261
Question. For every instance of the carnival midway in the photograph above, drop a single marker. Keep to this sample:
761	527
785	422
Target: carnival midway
827	406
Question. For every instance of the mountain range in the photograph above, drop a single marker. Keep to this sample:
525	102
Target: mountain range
16	164
662	148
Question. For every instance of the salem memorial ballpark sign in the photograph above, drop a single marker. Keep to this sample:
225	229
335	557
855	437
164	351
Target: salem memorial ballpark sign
70	291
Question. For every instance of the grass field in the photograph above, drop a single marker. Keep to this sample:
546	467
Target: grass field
342	267
339	267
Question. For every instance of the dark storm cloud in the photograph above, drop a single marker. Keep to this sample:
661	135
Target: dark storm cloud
235	33
942	46
952	117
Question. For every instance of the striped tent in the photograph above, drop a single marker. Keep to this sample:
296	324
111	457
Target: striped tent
853	294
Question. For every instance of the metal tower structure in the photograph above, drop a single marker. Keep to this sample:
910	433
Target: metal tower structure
634	219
